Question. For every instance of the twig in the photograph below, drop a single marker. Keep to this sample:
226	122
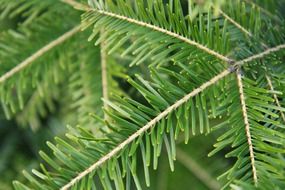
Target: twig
247	126
260	55
169	110
235	23
275	96
147	25
142	130
39	53
240	27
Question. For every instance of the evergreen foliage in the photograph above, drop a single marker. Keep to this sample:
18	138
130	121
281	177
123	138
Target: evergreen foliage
160	71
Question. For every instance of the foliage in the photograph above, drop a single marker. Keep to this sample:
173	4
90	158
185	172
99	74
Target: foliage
166	71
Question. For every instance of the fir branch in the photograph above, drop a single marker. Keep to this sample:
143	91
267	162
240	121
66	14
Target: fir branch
260	55
150	26
263	44
146	127
235	23
163	114
39	53
172	34
241	28
247	126
146	123
275	96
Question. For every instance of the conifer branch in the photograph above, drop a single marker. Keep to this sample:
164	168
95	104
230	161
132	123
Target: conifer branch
267	77
197	170
39	53
245	31
161	34
247	126
275	96
235	23
150	26
260	55
167	32
163	114
149	125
